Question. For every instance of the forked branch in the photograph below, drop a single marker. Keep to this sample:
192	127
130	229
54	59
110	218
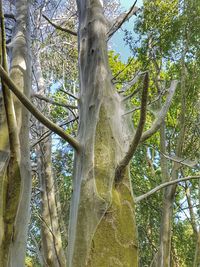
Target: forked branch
38	115
136	140
161	186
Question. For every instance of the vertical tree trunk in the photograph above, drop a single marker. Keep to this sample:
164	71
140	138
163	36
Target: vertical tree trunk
197	251
51	237
164	251
4	159
10	174
21	75
102	230
53	252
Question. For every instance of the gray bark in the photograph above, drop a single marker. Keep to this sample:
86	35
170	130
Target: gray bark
53	252
21	75
164	251
102	230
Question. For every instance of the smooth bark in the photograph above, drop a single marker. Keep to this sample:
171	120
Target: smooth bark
53	252
21	74
102	230
164	251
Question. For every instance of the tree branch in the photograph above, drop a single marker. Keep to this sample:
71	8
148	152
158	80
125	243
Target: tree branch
49	132
161	186
136	140
58	27
131	83
182	161
51	101
26	102
123	18
70	94
157	123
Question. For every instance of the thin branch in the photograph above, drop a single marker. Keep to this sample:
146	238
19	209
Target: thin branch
58	27
136	140
190	206
38	252
161	186
49	132
26	102
130	84
127	65
70	94
182	161
157	123
51	101
123	18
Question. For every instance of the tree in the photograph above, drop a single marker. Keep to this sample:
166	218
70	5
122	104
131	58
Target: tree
103	228
16	181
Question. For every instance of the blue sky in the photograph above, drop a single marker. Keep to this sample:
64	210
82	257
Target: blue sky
117	42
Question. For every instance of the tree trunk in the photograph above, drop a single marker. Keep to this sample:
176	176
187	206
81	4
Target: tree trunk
164	251
21	75
51	237
102	230
197	252
53	252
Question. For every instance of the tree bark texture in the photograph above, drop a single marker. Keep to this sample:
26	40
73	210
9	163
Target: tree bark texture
102	230
21	74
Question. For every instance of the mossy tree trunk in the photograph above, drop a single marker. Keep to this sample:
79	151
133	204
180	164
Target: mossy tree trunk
10	176
102	229
20	73
197	251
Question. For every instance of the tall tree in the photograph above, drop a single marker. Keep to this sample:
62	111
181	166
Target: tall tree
103	229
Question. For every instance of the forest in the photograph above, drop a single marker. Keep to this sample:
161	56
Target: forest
99	145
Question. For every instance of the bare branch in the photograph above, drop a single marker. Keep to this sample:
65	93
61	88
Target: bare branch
26	102
136	140
123	18
182	161
131	83
51	101
127	65
157	123
49	132
58	27
69	94
161	186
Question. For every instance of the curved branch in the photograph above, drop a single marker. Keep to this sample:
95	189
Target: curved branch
161	186
51	101
123	18
158	121
58	27
136	140
130	84
26	102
